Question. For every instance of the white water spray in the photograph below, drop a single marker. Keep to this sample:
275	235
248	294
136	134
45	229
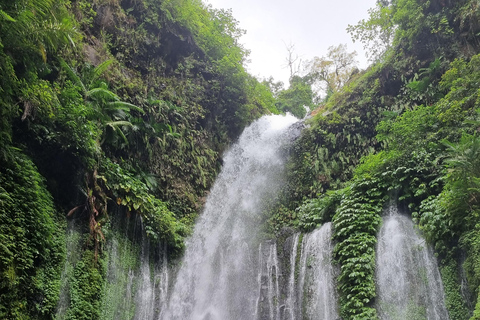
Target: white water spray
317	293
408	280
217	279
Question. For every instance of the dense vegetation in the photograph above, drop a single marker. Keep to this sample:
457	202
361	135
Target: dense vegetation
106	105
405	130
122	108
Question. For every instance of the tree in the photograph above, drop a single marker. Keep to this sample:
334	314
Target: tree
377	32
291	60
298	96
275	87
328	74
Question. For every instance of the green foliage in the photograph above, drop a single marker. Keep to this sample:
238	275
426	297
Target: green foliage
294	100
459	205
423	151
424	87
279	217
160	223
376	33
356	223
462	98
31	238
331	148
443	201
170	95
314	212
217	34
408	15
329	74
451	278
30	31
260	97
34	28
86	288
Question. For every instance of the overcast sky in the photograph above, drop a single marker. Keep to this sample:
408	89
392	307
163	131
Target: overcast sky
310	25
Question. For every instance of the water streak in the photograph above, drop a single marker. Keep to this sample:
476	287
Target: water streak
317	293
408	281
268	301
291	300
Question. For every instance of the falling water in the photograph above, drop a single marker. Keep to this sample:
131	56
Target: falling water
145	297
307	290
317	293
218	278
137	276
73	245
408	280
268	306
291	292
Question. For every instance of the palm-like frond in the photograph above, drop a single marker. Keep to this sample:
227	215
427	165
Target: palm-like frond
125	106
100	69
465	156
120	123
72	75
116	126
6	16
102	93
36	26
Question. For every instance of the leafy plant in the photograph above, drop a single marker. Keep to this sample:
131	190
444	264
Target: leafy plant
356	223
31	235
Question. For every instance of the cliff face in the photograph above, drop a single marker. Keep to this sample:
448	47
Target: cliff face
109	108
406	131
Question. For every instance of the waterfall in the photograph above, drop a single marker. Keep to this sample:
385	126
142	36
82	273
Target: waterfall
218	277
145	296
291	294
268	300
73	245
137	276
316	291
229	273
307	290
408	281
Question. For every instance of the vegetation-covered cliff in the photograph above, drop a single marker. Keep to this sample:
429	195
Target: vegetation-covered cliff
109	104
123	108
405	130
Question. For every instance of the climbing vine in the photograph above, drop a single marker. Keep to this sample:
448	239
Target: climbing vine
356	223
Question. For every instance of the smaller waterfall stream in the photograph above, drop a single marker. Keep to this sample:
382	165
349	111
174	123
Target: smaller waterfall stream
268	302
408	281
291	300
145	297
317	292
137	281
73	245
307	291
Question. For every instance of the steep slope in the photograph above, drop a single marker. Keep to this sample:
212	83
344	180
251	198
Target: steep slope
109	108
403	131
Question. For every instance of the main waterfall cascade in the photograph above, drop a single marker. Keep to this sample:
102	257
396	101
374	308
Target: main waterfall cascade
229	273
218	278
408	281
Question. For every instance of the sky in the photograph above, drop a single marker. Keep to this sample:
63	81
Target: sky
311	26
